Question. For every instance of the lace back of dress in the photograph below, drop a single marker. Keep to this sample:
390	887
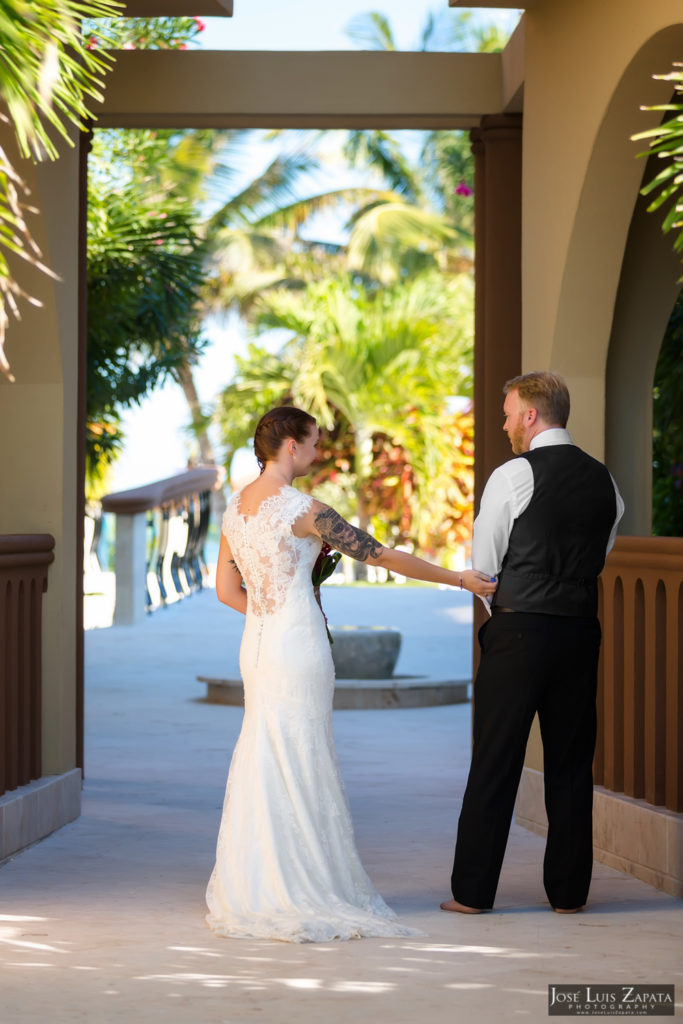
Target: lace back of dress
264	548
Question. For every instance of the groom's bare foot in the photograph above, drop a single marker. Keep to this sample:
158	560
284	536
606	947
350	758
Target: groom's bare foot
574	910
459	908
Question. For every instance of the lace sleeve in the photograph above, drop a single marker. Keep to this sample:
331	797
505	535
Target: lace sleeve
294	506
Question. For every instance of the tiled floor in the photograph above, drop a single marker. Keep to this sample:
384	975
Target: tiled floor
103	921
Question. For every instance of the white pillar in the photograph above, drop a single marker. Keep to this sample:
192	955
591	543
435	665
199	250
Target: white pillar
131	559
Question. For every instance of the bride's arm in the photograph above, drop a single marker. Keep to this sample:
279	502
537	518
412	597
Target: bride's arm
327	524
229	579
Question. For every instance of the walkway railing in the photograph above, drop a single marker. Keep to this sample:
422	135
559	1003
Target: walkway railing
161	529
640	692
24	561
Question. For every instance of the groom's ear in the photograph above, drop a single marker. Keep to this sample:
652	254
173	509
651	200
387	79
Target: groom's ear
531	415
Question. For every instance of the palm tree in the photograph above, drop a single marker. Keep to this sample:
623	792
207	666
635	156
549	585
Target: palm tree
431	216
442	31
383	361
255	241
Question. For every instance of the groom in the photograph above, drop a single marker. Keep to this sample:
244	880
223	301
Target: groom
546	522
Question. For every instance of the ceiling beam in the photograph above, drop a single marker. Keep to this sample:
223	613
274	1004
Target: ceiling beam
203	88
514	70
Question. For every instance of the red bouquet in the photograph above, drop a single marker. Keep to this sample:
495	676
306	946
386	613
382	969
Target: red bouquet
325	564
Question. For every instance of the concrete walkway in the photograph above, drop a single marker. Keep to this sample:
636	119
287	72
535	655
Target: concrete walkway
103	921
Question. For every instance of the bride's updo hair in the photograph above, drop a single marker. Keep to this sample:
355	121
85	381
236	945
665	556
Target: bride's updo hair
278	424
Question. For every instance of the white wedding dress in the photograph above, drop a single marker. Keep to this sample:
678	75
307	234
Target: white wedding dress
286	861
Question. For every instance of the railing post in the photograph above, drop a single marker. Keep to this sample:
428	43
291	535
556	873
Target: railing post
24	562
640	747
131	557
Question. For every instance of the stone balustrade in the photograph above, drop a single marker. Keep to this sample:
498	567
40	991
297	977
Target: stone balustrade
161	529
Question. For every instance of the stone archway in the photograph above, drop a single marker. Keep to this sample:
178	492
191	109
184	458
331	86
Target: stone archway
593	266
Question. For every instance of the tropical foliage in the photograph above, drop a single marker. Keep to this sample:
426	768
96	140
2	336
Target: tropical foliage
377	367
442	31
666	141
144	261
145	253
144	277
47	78
150	249
667	447
141	33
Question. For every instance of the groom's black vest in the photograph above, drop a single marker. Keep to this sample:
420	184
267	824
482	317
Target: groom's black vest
557	545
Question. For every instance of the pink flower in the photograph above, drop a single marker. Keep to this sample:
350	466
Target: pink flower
463	190
201	25
92	43
183	46
129	46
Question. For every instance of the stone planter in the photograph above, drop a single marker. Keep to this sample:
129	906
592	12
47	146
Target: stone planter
364	660
365	652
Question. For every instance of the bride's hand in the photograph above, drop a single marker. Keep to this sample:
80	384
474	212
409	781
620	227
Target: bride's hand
478	582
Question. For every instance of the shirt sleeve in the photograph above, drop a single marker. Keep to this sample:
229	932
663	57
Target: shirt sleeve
507	493
620	512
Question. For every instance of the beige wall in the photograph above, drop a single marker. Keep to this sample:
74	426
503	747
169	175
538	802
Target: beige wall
588	70
38	431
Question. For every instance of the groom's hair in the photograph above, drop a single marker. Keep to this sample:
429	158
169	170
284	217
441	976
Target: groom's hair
545	392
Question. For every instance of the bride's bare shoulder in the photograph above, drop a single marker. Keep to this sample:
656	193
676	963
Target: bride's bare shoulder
317	506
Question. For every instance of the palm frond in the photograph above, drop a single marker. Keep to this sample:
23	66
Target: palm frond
372	31
666	141
381	152
269	190
388	233
293	215
47	73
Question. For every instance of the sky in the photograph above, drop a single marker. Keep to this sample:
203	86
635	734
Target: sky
321	24
157	439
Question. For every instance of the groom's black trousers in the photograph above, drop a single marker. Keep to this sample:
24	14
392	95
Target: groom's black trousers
531	663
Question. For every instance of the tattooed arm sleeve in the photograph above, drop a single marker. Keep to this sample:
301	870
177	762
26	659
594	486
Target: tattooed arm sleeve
343	537
339	534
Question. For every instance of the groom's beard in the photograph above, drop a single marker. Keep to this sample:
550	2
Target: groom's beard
517	439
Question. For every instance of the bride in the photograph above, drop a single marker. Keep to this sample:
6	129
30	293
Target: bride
286	861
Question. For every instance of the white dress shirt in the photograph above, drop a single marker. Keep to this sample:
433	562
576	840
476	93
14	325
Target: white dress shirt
507	494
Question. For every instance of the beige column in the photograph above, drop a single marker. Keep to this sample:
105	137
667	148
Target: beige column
497	148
